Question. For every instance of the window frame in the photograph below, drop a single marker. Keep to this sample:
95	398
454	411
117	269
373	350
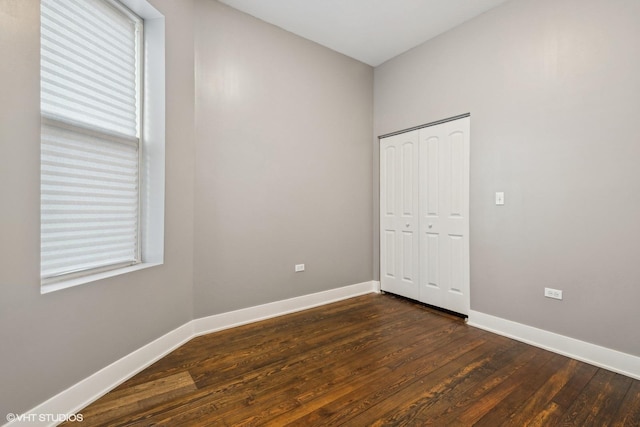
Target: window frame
150	44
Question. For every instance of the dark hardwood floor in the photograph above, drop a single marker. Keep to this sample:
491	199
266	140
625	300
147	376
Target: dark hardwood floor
367	361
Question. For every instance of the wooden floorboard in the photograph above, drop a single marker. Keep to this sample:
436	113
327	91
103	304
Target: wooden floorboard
375	360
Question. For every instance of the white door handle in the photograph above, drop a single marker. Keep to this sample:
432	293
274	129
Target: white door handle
407	225
430	225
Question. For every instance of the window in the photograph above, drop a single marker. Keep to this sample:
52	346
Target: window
93	198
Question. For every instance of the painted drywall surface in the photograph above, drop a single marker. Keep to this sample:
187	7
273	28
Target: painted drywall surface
50	342
283	164
552	87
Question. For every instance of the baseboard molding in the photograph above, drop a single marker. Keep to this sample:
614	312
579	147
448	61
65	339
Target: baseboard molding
218	322
76	397
616	361
377	286
79	395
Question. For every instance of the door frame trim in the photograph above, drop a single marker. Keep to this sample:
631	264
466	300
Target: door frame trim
426	125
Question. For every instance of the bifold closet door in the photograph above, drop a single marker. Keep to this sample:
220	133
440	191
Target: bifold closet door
444	215
399	214
424	215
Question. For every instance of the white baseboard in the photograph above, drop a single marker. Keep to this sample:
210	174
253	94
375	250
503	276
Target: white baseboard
91	388
218	322
616	361
377	286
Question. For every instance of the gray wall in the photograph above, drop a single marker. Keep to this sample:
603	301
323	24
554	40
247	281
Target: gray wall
283	164
553	88
50	342
281	167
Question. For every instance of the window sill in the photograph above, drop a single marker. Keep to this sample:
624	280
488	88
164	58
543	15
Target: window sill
57	286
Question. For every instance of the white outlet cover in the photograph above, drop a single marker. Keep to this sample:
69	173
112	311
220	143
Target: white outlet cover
553	293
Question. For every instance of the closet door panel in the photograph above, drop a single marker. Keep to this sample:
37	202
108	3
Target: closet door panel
444	215
399	218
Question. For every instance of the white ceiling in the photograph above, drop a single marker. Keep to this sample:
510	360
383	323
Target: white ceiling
371	31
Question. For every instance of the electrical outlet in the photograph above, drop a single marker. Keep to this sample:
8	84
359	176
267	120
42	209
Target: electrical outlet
299	268
553	293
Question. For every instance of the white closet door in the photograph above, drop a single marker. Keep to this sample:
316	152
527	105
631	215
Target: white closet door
399	214
444	215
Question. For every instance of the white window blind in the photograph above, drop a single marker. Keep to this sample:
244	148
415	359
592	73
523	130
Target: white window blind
90	141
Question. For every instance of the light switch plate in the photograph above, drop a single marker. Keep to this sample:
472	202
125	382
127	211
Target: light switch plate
499	198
